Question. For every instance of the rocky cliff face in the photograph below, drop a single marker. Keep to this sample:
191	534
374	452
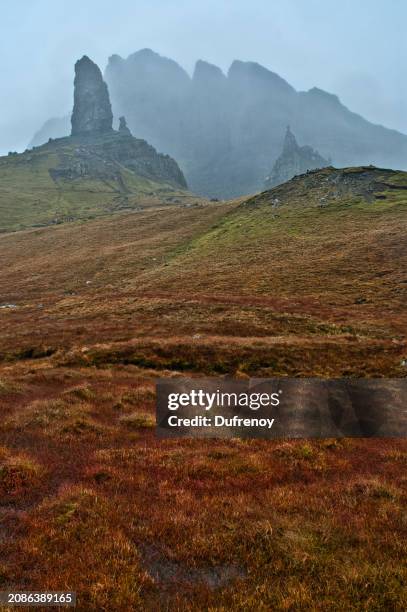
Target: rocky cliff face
294	160
105	156
155	107
92	111
225	130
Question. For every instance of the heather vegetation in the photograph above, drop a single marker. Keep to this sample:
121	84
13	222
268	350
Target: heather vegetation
305	280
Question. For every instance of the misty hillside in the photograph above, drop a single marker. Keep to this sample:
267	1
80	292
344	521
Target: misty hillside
226	131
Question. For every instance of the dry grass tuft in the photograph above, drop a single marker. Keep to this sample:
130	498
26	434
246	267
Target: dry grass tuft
83	392
18	472
54	416
137	420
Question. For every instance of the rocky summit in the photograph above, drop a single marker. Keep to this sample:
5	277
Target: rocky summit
326	188
94	171
102	151
294	160
92	111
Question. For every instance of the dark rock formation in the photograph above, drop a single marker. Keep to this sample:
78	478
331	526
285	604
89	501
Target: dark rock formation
226	130
92	112
96	151
123	129
104	156
293	160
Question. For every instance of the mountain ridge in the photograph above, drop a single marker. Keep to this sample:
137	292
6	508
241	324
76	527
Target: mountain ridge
227	130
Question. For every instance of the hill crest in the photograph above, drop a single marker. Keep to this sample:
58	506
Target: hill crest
322	186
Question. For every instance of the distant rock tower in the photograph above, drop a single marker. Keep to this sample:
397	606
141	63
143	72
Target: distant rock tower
92	111
123	129
294	160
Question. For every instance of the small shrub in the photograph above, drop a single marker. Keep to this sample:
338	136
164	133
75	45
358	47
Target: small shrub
55	415
17	473
80	426
374	488
138	419
7	386
138	396
82	393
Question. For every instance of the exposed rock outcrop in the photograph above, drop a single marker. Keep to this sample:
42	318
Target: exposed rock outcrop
92	111
101	152
325	186
104	157
123	129
294	160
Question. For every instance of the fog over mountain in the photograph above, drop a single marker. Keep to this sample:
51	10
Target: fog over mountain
226	130
357	51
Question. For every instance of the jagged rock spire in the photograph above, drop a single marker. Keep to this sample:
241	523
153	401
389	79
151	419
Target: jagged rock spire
290	141
293	160
92	111
123	128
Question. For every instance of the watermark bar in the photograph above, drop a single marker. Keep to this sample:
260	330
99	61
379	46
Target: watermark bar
37	598
281	408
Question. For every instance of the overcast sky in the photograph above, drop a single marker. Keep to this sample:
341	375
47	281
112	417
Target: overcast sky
356	49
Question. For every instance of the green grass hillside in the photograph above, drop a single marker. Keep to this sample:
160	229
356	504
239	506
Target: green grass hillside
69	179
333	236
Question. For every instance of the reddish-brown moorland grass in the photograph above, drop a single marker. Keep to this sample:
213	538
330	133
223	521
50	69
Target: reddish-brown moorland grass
93	502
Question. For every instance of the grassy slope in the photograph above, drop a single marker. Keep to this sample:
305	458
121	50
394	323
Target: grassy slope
30	197
305	282
94	502
332	257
